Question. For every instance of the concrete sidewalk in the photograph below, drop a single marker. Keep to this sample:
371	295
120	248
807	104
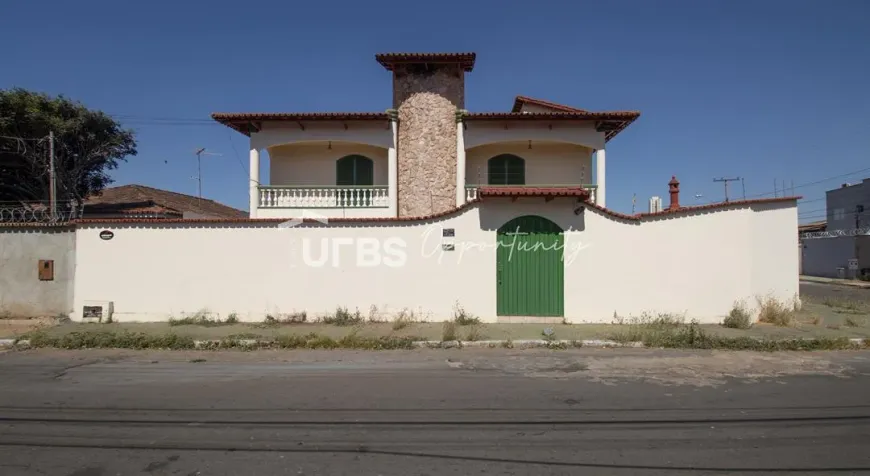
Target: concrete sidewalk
839	282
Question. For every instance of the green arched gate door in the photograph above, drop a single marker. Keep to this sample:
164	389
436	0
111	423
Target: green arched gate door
530	271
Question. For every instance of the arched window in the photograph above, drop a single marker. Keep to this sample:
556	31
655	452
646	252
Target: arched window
506	169
354	170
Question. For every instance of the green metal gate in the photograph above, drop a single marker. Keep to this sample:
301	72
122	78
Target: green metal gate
530	271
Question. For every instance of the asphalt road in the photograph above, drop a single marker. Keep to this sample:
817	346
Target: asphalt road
821	291
455	412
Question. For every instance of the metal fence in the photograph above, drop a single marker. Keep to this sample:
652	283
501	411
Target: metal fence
39	212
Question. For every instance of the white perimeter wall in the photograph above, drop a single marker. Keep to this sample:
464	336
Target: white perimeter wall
695	264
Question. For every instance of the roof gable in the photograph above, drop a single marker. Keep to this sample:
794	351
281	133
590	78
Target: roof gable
127	196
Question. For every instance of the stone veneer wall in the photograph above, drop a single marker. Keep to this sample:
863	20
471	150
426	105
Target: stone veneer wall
427	102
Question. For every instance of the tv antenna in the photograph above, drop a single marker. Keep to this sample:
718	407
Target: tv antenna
725	181
199	153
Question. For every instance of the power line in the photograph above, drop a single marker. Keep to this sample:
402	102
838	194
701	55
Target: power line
807	184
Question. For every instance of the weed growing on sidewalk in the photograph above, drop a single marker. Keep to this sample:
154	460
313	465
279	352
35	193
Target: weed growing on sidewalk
343	317
448	331
404	319
111	340
773	311
201	318
463	318
739	317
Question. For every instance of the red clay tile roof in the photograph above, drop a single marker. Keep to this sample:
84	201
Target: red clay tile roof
390	60
532	192
522	100
240	121
148	199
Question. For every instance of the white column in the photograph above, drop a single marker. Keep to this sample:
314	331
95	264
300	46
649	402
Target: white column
599	177
254	183
460	164
393	172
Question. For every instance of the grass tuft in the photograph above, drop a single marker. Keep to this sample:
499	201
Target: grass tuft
773	311
739	317
463	318
343	317
111	340
448	331
404	319
474	333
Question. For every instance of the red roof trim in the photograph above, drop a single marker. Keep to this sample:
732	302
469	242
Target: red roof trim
390	60
522	100
532	192
637	217
584	115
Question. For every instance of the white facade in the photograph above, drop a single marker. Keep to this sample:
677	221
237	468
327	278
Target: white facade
704	260
302	163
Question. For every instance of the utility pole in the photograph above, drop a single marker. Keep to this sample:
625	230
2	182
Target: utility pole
633	202
774	189
743	184
725	181
52	192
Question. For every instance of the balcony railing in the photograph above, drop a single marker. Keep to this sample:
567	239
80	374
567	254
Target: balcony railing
275	196
471	190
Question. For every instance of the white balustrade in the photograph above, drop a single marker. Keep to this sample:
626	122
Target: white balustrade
324	197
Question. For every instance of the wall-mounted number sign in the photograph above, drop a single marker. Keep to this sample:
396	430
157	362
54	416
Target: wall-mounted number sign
106	235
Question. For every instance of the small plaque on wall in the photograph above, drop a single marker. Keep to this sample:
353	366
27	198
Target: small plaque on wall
448	232
448	247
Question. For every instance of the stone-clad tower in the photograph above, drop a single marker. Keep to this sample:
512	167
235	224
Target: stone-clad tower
428	88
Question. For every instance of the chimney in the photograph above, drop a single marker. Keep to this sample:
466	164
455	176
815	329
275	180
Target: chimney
674	189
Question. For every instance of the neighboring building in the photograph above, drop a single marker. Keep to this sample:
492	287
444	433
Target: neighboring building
840	246
848	206
431	206
139	201
655	204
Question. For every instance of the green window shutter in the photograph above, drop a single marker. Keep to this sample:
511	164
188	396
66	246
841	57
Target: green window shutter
515	171
495	167
344	171
506	169
365	171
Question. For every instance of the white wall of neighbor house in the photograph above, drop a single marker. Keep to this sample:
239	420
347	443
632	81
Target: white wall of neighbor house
697	264
314	163
547	163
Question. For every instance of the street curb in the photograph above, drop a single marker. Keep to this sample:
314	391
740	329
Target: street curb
434	344
836	282
599	343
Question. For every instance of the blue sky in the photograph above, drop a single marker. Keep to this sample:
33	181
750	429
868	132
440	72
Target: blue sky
766	90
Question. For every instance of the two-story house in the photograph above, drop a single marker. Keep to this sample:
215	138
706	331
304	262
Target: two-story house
427	154
429	204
